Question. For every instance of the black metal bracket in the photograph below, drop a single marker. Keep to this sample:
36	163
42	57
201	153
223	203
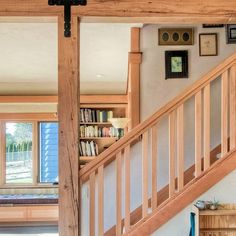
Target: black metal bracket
67	11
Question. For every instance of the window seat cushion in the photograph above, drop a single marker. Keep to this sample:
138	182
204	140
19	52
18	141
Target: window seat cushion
28	199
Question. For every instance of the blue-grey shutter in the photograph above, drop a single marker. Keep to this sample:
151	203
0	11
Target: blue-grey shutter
48	152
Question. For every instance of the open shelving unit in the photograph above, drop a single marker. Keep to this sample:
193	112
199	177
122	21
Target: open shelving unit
219	222
119	110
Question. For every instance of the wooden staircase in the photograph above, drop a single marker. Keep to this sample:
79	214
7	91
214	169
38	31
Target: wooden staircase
184	185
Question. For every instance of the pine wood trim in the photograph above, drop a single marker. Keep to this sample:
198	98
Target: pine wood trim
84	99
154	165
127	188
23	214
145	174
135	59
2	154
206	126
29	99
68	113
182	11
189	193
172	152
163	194
101	201
108	154
224	113
232	107
180	146
118	194
103	99
28	117
198	133
92	204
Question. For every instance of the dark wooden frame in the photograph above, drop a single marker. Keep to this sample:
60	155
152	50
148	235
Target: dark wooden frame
216	38
176	75
229	39
212	25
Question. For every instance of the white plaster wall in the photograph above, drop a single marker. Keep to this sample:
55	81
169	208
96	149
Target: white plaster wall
224	191
156	92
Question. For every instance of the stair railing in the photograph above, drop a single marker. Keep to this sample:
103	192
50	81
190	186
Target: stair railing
147	134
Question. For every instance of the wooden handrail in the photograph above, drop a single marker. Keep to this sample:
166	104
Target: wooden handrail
111	152
147	134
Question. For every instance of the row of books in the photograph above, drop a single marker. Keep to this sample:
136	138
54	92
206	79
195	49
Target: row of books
92	115
89	148
96	131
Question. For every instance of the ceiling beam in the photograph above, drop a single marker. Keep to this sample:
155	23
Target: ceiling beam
28	99
84	99
186	11
28	19
29	116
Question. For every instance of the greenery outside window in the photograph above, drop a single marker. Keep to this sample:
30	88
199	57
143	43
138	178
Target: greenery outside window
19	139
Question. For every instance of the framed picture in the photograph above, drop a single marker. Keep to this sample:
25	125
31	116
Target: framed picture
230	34
208	45
176	64
213	25
175	36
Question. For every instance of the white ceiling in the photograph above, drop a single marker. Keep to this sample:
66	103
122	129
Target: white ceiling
28	57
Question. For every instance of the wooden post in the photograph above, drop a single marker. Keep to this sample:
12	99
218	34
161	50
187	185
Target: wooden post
135	59
68	111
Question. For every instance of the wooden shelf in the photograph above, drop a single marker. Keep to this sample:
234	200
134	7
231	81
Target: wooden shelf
87	158
101	138
95	123
218	230
217	212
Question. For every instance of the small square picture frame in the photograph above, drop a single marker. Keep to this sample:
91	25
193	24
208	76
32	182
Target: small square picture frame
230	34
208	44
176	64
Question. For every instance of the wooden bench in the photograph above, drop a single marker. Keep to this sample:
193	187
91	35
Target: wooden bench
26	210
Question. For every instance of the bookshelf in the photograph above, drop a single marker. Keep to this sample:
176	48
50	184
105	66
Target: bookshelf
96	132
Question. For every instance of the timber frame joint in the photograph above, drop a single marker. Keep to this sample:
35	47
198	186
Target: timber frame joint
135	57
67	12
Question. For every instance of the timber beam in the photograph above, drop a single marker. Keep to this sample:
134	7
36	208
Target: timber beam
185	11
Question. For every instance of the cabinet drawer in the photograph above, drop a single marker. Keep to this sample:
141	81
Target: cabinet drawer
43	213
13	214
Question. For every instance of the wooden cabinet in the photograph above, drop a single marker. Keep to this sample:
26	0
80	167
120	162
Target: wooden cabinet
221	222
29	213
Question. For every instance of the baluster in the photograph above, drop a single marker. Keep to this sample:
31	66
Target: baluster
92	204
198	133
206	134
154	166
127	188
224	113
180	146
172	120
100	201
232	107
145	174
118	194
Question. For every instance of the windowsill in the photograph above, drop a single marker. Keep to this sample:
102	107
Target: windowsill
38	186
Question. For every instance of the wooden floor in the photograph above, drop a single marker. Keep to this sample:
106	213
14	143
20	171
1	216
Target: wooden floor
29	231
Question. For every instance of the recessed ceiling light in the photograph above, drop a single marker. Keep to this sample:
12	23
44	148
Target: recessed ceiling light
99	75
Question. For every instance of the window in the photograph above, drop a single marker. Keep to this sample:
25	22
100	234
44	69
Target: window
48	146
19	153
